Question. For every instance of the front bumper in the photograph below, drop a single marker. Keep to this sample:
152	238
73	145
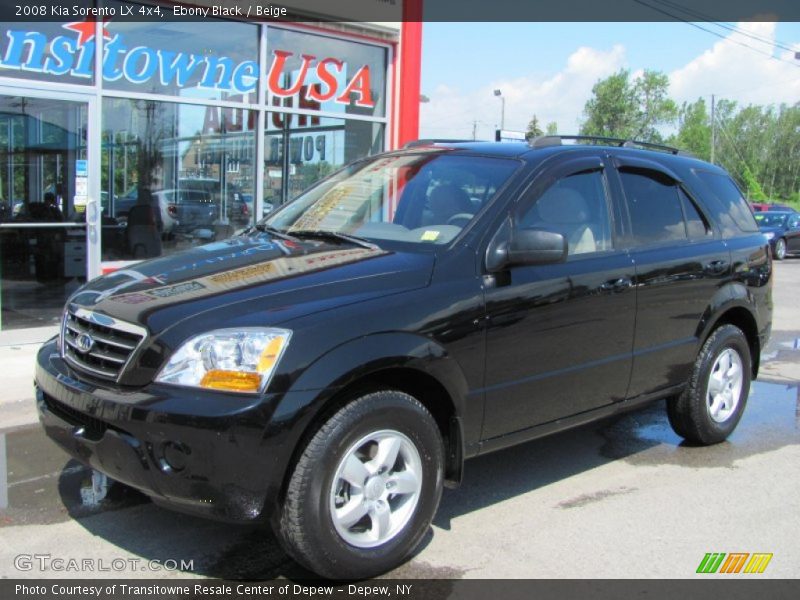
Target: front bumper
208	453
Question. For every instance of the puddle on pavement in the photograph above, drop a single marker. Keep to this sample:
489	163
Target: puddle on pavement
43	486
771	420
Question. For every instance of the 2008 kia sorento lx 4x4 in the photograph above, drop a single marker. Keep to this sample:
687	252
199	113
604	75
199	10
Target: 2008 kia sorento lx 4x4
331	368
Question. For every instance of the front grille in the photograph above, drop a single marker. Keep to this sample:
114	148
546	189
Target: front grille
98	344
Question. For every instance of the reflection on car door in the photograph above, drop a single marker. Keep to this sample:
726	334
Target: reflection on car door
679	265
559	336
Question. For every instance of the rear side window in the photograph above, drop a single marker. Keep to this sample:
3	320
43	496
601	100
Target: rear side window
695	224
727	204
655	207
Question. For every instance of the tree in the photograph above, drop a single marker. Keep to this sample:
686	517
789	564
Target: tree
610	112
654	107
694	129
533	128
552	128
628	109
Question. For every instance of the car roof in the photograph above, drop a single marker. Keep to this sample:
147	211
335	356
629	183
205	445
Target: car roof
506	149
525	151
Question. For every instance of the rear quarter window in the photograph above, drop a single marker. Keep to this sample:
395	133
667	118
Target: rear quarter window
726	204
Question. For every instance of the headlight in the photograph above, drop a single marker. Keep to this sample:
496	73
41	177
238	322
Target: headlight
234	360
770	235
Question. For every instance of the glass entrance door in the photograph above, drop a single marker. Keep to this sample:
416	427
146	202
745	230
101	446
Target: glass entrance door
44	196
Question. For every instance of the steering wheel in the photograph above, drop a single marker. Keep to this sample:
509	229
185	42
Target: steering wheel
460	219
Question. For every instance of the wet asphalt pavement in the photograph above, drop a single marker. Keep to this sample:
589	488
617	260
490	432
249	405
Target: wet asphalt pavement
621	498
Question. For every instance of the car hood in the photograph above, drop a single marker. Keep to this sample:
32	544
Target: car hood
227	282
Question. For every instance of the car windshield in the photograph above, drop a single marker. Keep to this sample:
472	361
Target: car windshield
766	219
424	198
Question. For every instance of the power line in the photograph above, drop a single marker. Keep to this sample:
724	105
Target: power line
730	27
762	87
714	33
754	36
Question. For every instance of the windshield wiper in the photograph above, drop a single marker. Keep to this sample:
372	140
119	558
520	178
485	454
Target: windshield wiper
325	234
279	233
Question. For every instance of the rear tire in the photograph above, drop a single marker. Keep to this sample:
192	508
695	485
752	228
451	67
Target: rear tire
363	493
780	249
710	407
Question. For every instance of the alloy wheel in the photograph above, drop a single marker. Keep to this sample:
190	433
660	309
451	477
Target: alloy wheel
376	488
724	385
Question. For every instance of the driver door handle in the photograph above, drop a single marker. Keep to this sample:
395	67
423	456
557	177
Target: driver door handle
716	267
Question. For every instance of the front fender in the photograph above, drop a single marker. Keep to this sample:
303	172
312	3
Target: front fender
350	362
358	358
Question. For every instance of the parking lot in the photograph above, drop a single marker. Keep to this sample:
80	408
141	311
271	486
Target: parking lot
622	498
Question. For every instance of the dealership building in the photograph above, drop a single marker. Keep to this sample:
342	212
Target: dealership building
123	140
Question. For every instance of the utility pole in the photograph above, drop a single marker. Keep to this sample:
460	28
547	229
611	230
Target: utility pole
474	130
713	127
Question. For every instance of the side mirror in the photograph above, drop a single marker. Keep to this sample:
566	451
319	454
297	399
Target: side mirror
527	247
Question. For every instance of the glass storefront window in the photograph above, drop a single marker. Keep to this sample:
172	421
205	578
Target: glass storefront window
300	150
211	60
174	176
42	256
315	72
44	51
174	172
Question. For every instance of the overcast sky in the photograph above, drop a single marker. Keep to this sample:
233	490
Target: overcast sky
550	68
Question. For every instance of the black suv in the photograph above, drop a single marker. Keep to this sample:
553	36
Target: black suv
330	369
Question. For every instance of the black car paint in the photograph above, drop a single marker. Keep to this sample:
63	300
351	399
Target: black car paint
433	320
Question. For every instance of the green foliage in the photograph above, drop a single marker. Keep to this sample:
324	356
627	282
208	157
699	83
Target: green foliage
610	111
628	109
694	129
754	191
552	128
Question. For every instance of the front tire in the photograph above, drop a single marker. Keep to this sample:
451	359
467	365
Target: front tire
780	249
365	489
710	407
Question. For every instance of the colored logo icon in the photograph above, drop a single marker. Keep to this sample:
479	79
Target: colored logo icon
734	562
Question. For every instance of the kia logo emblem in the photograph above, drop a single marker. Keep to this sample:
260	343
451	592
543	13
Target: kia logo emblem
84	343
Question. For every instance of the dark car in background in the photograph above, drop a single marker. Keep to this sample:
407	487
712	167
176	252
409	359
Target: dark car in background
329	370
782	229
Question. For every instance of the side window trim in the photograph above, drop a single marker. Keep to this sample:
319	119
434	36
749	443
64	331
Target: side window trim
644	164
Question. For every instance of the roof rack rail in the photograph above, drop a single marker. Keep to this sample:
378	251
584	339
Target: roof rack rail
429	141
544	141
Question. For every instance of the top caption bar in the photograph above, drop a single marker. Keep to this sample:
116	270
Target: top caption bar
405	10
